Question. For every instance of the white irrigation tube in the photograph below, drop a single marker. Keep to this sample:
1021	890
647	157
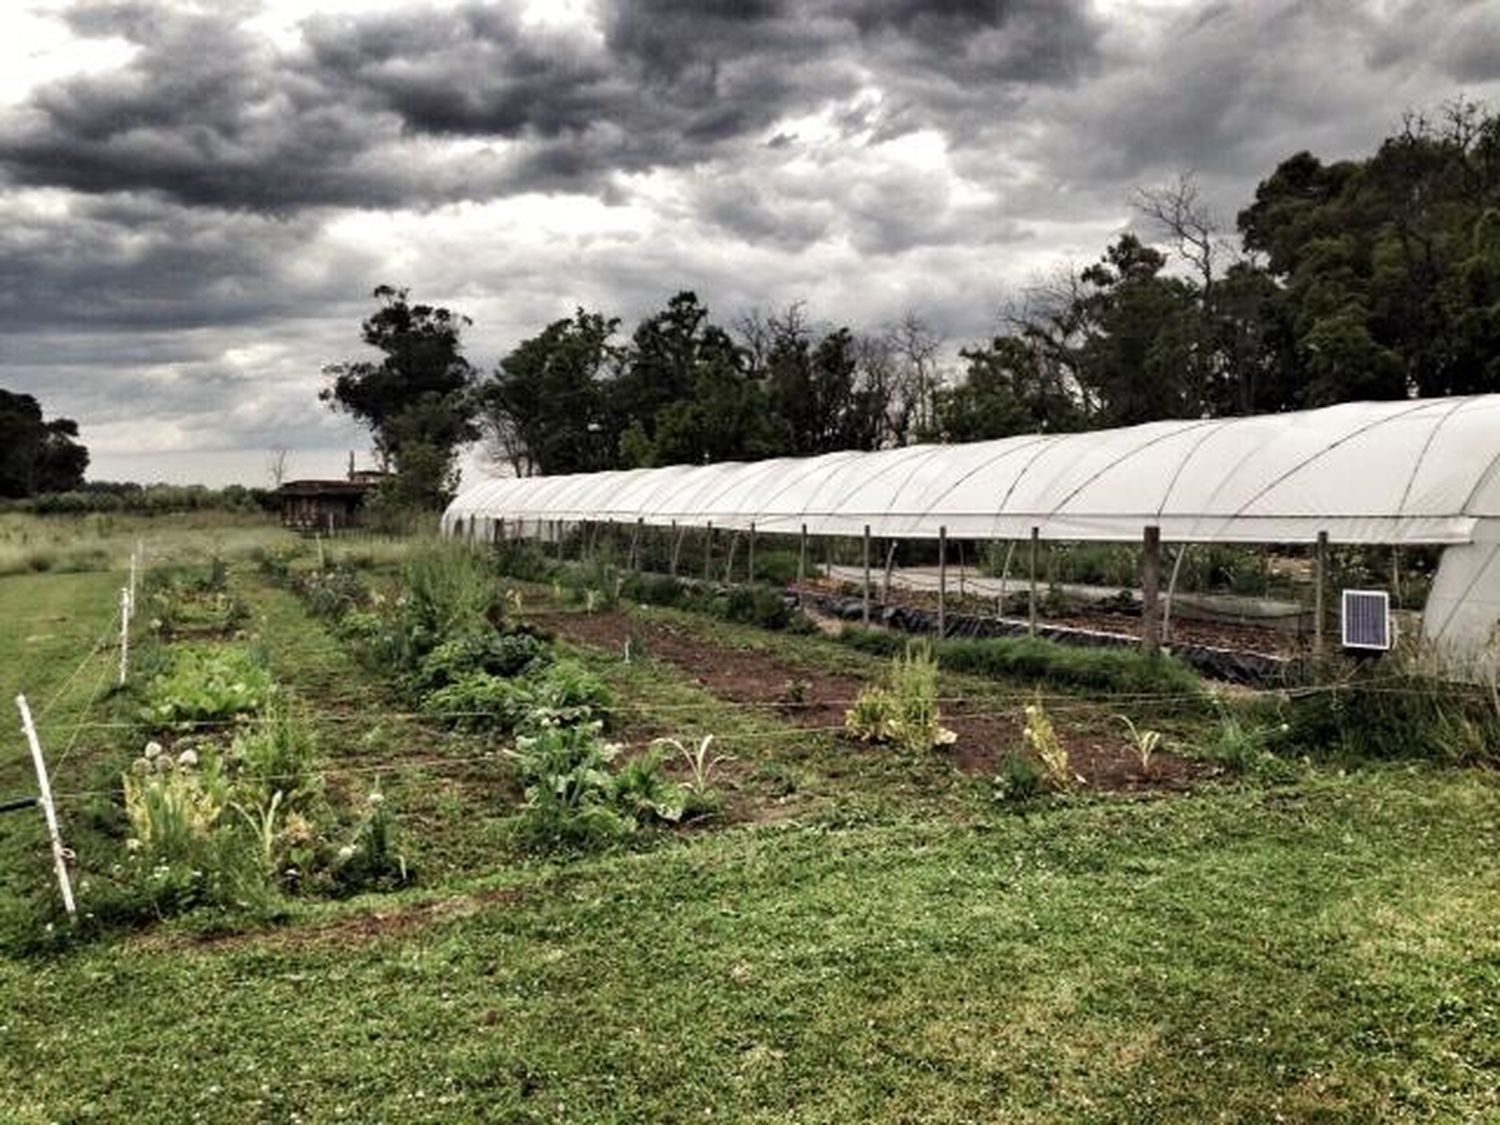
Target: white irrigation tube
44	788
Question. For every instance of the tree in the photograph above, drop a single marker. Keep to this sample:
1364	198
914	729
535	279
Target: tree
419	395
276	460
545	409
1008	388
1382	261
37	455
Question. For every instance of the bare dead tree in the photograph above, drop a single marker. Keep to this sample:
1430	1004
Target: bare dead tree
917	348
1179	211
879	378
276	462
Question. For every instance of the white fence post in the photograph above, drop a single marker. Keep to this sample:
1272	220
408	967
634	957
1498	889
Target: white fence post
59	853
124	633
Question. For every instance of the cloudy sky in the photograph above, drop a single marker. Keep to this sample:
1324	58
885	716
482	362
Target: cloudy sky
197	198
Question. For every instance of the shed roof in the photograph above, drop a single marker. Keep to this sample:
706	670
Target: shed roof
1411	471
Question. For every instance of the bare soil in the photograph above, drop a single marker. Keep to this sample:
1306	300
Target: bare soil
814	700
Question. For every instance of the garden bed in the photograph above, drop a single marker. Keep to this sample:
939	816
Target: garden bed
816	700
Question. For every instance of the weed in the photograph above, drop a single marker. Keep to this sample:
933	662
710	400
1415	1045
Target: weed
371	859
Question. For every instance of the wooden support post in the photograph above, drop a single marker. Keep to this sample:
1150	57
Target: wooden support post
802	557
124	633
865	617
635	543
942	582
1032	610
1320	594
49	811
676	549
708	551
750	564
1151	590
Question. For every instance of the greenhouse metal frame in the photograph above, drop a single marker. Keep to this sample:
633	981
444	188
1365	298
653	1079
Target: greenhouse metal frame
1404	473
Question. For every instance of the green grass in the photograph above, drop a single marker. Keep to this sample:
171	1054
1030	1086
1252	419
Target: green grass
873	939
1328	955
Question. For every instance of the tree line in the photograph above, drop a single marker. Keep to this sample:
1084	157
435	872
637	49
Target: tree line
1372	278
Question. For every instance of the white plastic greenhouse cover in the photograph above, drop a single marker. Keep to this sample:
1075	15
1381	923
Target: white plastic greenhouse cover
1405	472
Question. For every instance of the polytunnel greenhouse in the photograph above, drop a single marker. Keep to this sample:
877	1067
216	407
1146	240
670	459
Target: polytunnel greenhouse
1405	473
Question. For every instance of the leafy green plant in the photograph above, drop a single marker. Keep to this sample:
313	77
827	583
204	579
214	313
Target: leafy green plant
478	701
1143	741
904	710
488	651
566	693
204	685
276	756
874	716
1020	778
702	797
1041	738
569	789
644	792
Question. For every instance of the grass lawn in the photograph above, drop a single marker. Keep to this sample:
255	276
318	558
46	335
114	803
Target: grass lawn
890	946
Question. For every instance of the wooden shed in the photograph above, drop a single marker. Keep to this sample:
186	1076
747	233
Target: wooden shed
325	505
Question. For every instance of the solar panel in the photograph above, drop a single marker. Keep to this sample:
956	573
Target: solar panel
1367	619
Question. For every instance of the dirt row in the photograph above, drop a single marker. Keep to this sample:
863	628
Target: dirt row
813	699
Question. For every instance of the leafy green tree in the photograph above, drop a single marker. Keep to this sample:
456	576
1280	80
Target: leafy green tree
419	394
688	392
546	409
37	455
1385	261
1008	388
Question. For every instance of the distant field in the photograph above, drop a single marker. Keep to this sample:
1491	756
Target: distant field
870	936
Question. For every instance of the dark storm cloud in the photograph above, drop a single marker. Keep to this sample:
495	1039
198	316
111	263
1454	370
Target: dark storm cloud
143	263
210	115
